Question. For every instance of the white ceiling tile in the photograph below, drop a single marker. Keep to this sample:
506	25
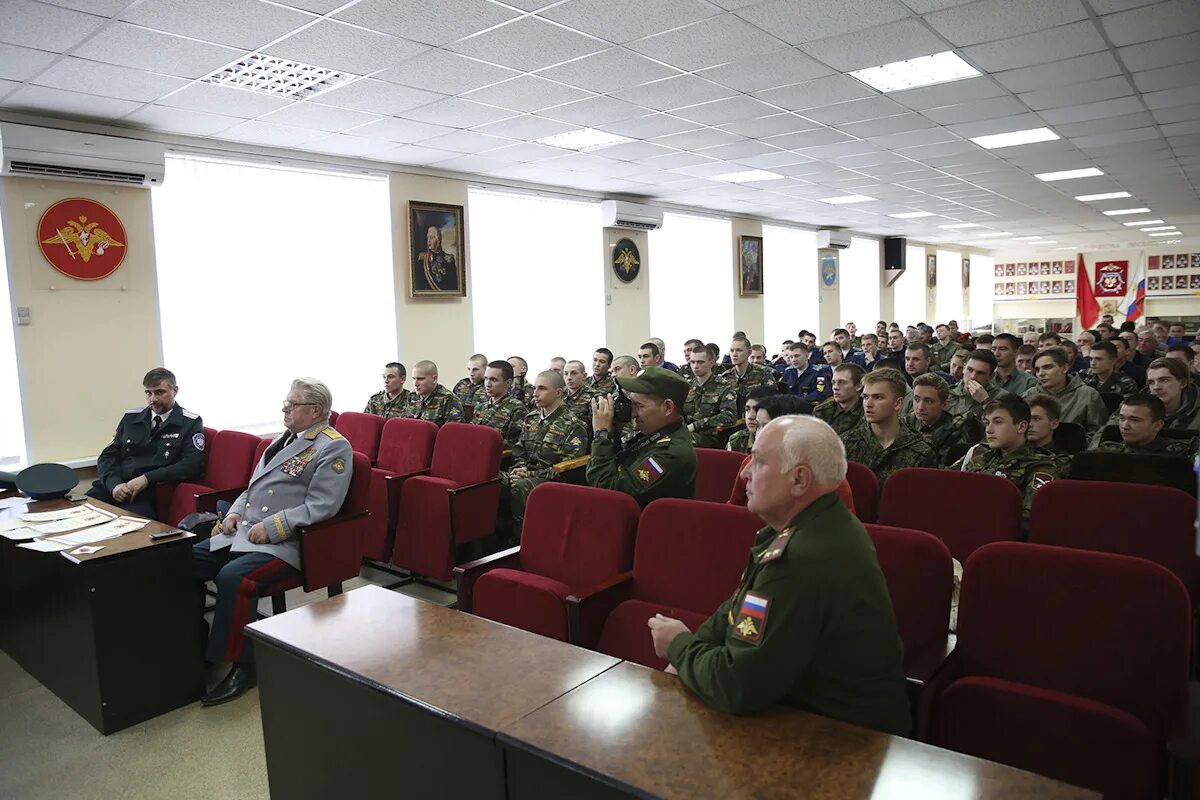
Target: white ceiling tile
1123	122
525	152
774	159
180	120
738	150
799	21
887	125
1113	6
1019	122
883	44
528	44
1060	73
707	43
1161	53
722	111
265	133
457	113
608	71
946	94
526	127
527	93
1117	137
376	97
1078	93
245	24
699	138
1152	22
1179	128
977	110
58	103
896	141
813	94
855	110
1065	41
465	142
1088	111
342	47
771	126
109	80
1172	97
429	23
104	8
1172	77
229	102
813	138
622	21
313	115
45	27
445	73
991	20
401	130
1177	113
131	46
529	5
315	6
928	6
22	63
767	71
635	151
649	126
594	111
676	92
677	160
415	154
478	165
343	144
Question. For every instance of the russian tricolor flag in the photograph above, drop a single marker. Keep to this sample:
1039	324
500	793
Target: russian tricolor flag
754	606
1135	297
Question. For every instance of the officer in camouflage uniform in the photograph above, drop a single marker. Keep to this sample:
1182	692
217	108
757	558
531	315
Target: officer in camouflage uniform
578	397
811	623
743	375
880	441
1103	375
601	380
496	408
941	430
944	349
843	412
1140	420
661	460
711	402
391	401
976	388
431	401
549	435
685	369
470	390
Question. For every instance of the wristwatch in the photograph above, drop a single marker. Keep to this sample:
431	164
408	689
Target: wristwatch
601	435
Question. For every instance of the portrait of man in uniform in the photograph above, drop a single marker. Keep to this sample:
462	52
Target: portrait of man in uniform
751	265
437	247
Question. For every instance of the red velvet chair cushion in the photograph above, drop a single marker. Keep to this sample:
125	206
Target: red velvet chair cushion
230	459
362	431
467	454
716	473
406	445
627	636
920	580
864	485
737	497
577	534
181	501
524	600
423	531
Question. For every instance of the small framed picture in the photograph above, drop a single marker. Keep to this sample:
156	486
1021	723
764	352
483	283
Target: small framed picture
1057	288
1056	268
1168	283
1069	287
1195	260
1152	283
1152	262
1010	270
1045	268
750	265
1022	288
999	270
1195	281
1168	262
931	271
437	250
1021	270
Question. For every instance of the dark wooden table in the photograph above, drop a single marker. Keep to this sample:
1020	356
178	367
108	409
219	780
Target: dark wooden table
636	732
377	694
115	634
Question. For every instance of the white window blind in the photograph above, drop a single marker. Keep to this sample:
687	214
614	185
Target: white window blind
692	281
860	265
909	289
538	277
266	274
949	287
790	288
12	421
983	277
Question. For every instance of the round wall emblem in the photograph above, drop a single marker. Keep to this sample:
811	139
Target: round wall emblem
626	260
82	239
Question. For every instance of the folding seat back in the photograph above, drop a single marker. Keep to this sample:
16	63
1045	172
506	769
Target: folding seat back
259	451
931	500
865	486
333	418
174	501
406	445
231	459
362	431
1071	436
466	454
577	534
1158	470
716	473
1093	515
920	580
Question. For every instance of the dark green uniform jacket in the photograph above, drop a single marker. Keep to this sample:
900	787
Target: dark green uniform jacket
468	393
175	453
606	385
811	625
1080	404
710	406
662	464
1118	382
908	450
1018	381
942	435
440	407
1028	467
1158	447
841	420
506	415
381	406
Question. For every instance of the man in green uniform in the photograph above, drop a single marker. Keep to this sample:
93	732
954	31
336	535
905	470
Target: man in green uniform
497	409
549	435
942	350
743	375
711	402
578	397
743	438
470	389
390	402
976	388
430	400
521	388
1103	375
1045	415
661	460
625	367
1008	376
1140	422
1080	403
601	380
685	369
1170	381
844	410
942	431
880	441
811	623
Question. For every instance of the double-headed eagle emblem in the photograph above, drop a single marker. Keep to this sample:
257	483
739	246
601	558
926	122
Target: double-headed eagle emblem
84	239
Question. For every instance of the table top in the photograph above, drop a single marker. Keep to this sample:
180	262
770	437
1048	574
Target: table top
135	540
642	730
476	671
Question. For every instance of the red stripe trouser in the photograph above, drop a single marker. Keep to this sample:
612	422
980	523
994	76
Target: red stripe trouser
241	579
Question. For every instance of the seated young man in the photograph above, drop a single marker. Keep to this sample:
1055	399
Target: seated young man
880	441
1079	402
931	418
844	410
1045	415
1140	423
742	440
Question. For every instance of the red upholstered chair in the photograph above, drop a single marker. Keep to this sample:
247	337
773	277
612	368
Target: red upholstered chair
574	537
737	497
1069	663
362	431
455	503
931	500
333	418
716	473
687	560
172	498
263	444
865	485
405	450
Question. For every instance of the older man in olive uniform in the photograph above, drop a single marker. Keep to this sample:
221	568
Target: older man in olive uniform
431	401
301	480
496	408
711	402
658	462
470	389
158	443
811	623
391	401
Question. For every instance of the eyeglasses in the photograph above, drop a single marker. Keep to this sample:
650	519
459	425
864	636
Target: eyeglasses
289	406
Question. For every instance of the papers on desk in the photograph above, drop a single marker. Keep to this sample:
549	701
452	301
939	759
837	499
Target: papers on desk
45	546
109	530
13	502
58	513
89	517
18	532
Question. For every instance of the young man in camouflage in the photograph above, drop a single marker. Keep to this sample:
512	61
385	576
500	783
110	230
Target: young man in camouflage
391	401
470	389
944	349
1140	422
743	438
578	397
843	412
601	380
1080	403
941	430
430	400
1103	375
1045	415
496	408
549	435
1008	376
711	402
743	375
880	441
520	387
976	388
625	367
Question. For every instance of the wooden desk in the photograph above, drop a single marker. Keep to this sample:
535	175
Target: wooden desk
636	732
114	634
373	693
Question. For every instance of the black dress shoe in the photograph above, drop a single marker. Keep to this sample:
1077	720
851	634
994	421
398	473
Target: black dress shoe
240	680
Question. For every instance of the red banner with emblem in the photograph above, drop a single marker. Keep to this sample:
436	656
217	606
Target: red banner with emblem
82	238
1112	278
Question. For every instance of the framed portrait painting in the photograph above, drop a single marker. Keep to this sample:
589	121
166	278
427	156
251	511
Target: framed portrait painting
931	271
750	265
437	250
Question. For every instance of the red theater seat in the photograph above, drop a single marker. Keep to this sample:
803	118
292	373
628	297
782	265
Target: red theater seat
227	465
362	431
716	473
865	486
405	450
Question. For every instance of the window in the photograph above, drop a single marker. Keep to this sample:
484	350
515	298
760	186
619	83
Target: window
983	275
909	289
692	281
861	263
790	290
266	274
949	286
537	277
12	420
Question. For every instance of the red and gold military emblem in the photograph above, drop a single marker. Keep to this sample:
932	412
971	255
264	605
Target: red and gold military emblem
82	239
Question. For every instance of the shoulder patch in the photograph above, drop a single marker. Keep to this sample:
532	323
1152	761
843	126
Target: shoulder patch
189	414
331	433
1040	479
649	471
198	441
339	465
751	623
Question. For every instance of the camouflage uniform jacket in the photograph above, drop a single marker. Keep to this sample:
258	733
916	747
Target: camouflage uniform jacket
841	420
1061	457
709	406
440	406
1118	383
940	354
1027	467
606	385
1018	381
522	391
380	406
468	393
908	450
962	403
506	415
580	403
1159	447
1187	416
942	435
545	441
756	375
1080	404
741	441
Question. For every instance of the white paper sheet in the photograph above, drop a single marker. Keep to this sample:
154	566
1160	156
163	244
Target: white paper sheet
12	502
11	524
109	530
45	546
75	523
19	534
61	513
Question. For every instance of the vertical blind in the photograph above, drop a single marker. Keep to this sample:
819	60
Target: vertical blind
692	281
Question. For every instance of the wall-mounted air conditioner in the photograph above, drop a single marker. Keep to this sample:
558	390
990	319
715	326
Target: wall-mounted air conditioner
34	152
837	240
619	214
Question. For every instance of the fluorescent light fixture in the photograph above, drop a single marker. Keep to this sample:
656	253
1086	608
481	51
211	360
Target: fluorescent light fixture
1172	233
1066	248
912	215
1123	212
923	71
276	76
1142	222
748	176
1068	174
1014	138
1087	198
992	235
583	140
959	225
1159	228
847	198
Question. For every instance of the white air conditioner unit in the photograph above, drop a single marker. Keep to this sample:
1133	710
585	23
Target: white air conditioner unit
69	156
837	240
619	214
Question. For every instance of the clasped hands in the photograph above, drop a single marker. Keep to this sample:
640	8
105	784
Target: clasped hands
126	492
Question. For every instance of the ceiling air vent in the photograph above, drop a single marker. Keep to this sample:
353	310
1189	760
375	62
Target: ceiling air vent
76	173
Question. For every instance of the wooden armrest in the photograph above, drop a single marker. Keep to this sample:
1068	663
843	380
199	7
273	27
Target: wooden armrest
393	484
465	575
506	453
589	607
732	427
572	463
207	501
472	487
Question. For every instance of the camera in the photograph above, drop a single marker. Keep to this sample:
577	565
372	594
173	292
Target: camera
622	409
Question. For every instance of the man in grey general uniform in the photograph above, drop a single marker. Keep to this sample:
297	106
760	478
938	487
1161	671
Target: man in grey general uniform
301	480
